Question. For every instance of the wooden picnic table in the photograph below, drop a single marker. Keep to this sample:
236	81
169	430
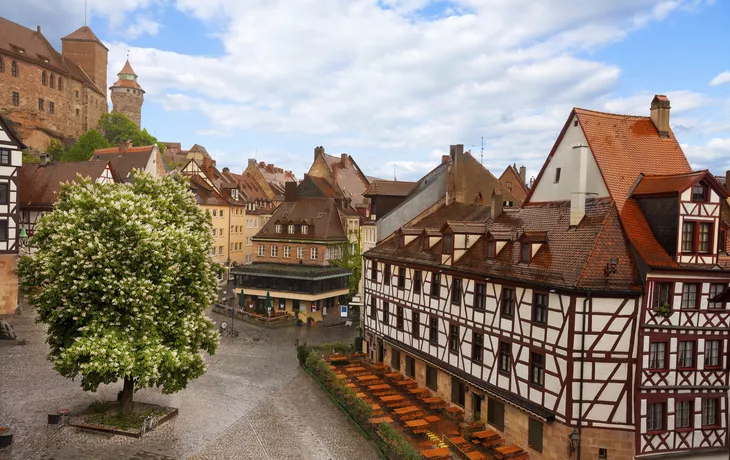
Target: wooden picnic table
454	410
361	395
458	440
475	455
419	391
391	398
367	378
382	386
351	385
380	367
432	418
406	383
433	400
355	369
377	420
440	452
406	410
507	451
393	375
338	359
417	423
341	376
485	434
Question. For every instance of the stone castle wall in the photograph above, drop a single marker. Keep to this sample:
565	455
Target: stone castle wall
129	104
8	284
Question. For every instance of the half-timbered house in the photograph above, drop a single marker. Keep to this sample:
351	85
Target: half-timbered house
590	322
11	159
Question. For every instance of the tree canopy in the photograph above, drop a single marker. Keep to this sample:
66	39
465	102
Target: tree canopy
352	260
121	276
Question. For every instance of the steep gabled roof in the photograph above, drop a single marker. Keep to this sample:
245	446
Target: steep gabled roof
125	161
675	183
39	184
321	214
519	189
84	33
389	188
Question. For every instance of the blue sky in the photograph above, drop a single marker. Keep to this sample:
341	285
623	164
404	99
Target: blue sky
395	82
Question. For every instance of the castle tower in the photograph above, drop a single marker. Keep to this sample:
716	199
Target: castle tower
127	95
85	49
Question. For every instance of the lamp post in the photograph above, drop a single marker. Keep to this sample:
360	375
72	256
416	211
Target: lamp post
573	441
22	250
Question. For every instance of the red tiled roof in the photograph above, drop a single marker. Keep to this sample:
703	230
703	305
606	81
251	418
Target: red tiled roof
124	83
127	69
204	193
144	148
519	189
84	33
389	188
658	185
642	238
321	214
123	163
39	184
625	146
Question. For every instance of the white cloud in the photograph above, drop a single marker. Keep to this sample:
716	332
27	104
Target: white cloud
142	25
721	79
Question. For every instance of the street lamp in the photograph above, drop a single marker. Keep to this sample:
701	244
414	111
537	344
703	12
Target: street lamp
574	441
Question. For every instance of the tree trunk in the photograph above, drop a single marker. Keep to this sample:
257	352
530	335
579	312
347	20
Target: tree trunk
125	401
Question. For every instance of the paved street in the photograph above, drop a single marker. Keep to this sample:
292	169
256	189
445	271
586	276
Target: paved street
253	403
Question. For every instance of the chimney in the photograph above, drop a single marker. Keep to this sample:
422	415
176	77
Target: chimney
457	149
38	28
727	180
495	208
317	151
45	159
270	168
523	175
444	159
252	161
206	166
262	164
578	198
226	170
213	162
660	114
343	159
290	191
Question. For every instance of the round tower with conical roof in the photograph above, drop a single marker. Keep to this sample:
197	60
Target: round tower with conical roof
127	95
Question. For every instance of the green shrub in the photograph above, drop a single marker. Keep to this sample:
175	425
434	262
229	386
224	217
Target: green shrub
395	441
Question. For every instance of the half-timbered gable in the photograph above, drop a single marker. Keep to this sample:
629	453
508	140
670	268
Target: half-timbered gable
11	159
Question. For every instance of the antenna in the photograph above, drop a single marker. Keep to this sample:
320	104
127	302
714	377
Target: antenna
127	54
481	156
86	8
394	179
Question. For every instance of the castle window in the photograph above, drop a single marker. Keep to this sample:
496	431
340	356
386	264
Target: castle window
41	104
44	82
60	84
78	113
2	66
76	93
53	81
51	107
14	69
16	98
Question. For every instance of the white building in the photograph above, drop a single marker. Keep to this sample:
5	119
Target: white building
11	158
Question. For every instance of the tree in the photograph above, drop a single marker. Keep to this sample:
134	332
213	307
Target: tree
116	128
121	276
84	148
352	260
55	149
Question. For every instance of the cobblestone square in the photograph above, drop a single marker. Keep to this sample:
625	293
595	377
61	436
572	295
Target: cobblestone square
253	403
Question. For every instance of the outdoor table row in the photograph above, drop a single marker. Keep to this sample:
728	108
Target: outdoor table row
380	367
378	420
420	392
508	451
355	369
335	359
438	453
407	383
394	375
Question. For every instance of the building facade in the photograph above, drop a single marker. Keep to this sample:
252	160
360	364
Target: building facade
127	96
593	313
270	178
11	160
51	95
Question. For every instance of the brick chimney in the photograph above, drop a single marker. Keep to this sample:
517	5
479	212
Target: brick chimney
252	161
444	159
343	160
270	168
290	191
497	204
578	198
457	149
523	175
727	180
660	114
317	151
207	167
226	170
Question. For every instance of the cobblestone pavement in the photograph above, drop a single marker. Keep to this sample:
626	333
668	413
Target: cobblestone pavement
253	403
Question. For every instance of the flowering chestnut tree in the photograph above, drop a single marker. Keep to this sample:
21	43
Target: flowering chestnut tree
121	276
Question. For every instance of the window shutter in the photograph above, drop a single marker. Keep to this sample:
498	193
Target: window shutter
534	436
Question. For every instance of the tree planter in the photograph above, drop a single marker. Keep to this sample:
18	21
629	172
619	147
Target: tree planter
6	438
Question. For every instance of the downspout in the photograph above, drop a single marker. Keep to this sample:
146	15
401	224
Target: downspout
582	370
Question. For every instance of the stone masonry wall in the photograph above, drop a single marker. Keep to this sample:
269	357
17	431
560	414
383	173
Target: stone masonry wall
129	104
8	284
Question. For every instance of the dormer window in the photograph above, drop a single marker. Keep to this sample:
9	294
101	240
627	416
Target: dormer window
305	229
699	193
424	244
696	237
525	252
291	229
278	228
448	244
491	249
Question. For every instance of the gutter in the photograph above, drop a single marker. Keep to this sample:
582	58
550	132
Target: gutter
582	370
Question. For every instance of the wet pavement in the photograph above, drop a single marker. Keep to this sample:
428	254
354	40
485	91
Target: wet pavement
253	403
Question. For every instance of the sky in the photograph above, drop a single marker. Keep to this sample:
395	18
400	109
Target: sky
395	82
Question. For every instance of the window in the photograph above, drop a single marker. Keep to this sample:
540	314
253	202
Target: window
386	274
76	93
287	252
401	277
699	192
278	228
448	245
458	391
456	291
395	359
262	250
313	253
525	252
709	412
433	330
453	338
480	296
220	250
291	229
221	232
688	236
215	213
721	237
712	353
504	357
305	229
509	185
683	414
417	281
703	245
399	318
689	295
60	84
373	271
215	232
416	326
686	355
495	413
410	366
715	290
221	213
386	312
537	369
41	104
4	193
2	65
44	78
534	434
373	310
16	99
51	107
655	417
431	377
491	249
300	252
78	112
658	355
3	230
539	308
4	157
557	175
477	347
508	300
52	81
436	285
662	294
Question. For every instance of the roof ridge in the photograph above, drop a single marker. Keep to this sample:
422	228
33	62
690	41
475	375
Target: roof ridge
608	114
662	176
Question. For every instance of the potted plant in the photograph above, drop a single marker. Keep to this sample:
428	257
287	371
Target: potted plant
310	320
6	436
664	310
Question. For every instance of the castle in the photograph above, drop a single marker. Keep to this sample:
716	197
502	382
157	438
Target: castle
48	95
